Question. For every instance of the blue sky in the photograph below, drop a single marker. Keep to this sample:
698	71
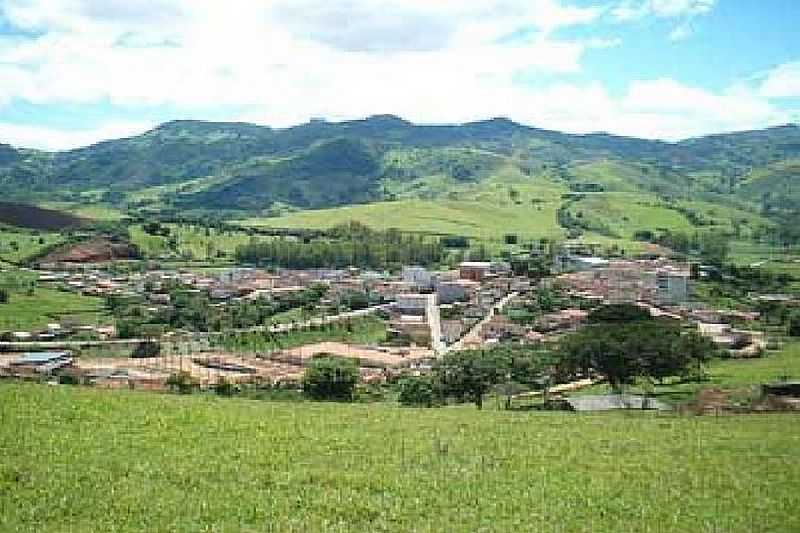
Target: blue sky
73	72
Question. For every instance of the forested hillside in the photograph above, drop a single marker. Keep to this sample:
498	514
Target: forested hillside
243	168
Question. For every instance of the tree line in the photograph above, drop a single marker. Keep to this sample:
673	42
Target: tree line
348	245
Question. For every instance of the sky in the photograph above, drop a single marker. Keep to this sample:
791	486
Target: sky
74	72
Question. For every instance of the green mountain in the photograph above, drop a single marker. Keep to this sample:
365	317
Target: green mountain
250	169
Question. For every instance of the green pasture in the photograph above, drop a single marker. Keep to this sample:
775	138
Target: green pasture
83	460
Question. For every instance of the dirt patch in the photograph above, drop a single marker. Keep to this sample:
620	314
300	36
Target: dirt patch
368	357
92	251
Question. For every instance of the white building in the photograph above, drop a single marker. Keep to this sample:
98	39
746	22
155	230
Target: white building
456	291
672	287
419	276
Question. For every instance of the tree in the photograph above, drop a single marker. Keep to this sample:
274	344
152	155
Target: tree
794	324
469	375
652	349
330	378
621	313
419	391
3	296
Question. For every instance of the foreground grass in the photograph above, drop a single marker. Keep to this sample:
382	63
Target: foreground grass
84	460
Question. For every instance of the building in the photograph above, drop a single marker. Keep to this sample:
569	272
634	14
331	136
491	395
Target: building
672	287
456	291
474	270
418	276
418	311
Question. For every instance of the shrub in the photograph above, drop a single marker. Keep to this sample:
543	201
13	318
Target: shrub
182	383
330	378
418	391
146	349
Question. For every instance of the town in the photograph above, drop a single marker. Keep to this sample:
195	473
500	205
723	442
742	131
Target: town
390	324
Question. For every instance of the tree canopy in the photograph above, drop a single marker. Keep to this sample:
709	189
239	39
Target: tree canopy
653	349
331	378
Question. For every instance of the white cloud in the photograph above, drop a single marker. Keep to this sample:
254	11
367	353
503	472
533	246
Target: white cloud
289	60
46	138
680	32
636	9
683	10
782	82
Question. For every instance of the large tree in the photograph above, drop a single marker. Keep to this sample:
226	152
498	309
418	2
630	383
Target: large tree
653	349
470	375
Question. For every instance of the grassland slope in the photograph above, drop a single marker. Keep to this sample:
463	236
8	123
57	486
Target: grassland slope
86	460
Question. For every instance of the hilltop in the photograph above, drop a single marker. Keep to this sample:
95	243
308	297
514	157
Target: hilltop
244	170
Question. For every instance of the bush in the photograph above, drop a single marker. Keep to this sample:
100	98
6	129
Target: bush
182	383
224	387
418	391
794	325
3	296
331	378
618	313
146	349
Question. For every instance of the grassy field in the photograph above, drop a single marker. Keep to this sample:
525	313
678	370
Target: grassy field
365	331
770	257
93	211
192	242
624	213
744	374
24	312
86	460
17	245
470	218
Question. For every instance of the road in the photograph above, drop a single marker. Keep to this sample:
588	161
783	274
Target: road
473	336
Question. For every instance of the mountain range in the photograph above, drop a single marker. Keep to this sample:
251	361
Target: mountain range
258	170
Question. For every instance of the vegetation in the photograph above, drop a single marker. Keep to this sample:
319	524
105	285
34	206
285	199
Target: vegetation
18	244
29	307
467	376
742	375
366	330
331	378
356	245
87	460
196	311
653	349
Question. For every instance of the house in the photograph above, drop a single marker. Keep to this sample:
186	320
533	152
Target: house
672	286
475	270
456	291
414	304
565	319
501	327
578	263
417	276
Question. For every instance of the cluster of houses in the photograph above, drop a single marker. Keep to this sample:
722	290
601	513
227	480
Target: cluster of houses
663	287
430	308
